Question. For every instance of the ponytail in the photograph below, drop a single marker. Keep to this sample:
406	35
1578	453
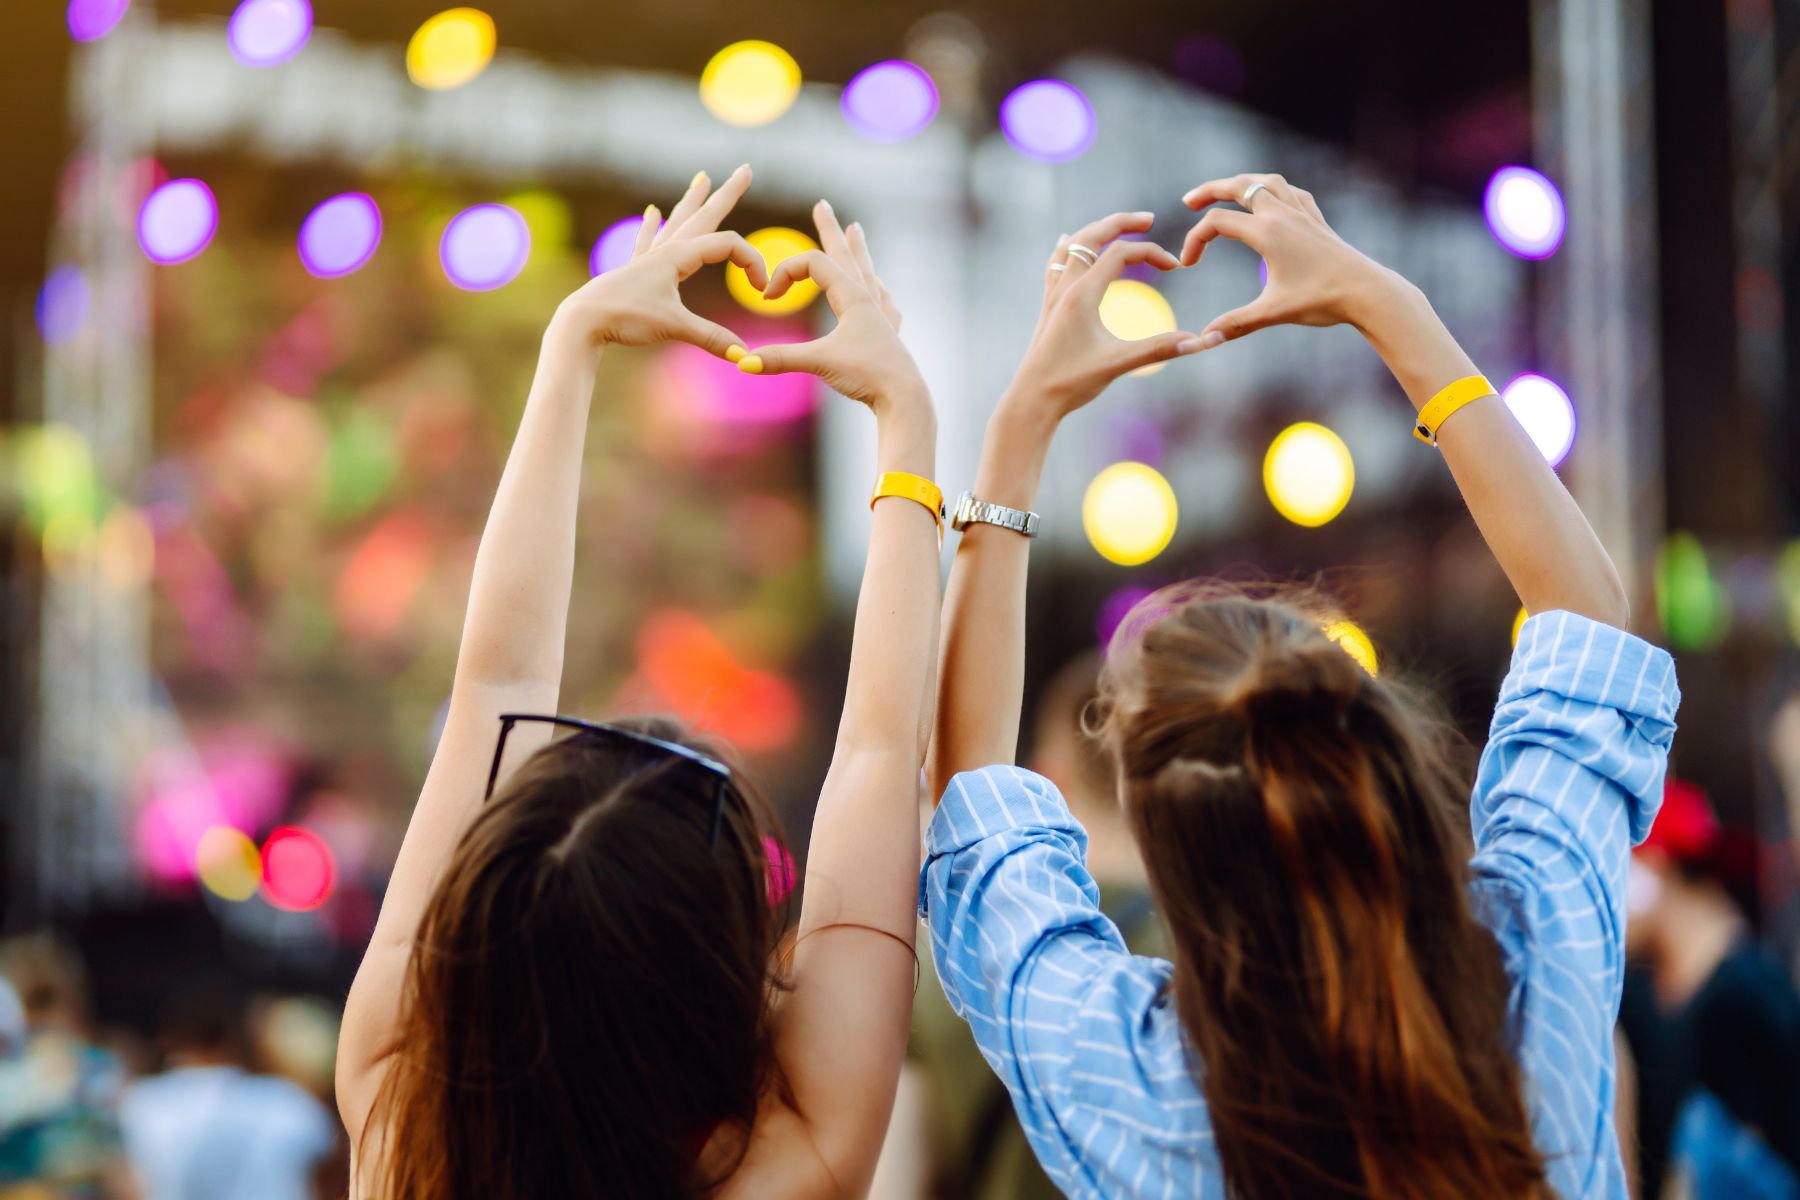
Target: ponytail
1303	829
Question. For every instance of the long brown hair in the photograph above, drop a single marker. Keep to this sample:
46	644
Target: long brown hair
1306	835
589	990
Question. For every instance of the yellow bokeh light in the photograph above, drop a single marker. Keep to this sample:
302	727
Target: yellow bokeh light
1132	311
126	548
775	244
1129	513
1309	474
1519	624
451	48
228	863
1354	642
750	83
68	541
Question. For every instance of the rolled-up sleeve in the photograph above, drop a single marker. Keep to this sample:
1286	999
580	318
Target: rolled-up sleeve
1076	1027
1571	778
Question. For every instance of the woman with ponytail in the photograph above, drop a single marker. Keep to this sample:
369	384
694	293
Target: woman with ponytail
1383	984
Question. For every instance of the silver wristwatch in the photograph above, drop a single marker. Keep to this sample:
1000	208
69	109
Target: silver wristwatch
970	511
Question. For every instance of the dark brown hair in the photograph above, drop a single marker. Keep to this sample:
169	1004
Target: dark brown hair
589	990
1307	840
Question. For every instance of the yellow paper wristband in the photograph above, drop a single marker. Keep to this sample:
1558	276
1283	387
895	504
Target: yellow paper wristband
1454	396
916	488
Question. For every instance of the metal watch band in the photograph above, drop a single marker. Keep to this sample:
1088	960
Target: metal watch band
970	511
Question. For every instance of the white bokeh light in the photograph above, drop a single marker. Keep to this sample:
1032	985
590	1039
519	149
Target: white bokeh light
1546	412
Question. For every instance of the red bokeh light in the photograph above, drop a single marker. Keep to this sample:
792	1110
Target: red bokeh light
298	870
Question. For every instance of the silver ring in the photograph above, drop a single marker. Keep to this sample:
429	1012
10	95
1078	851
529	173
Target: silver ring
1077	250
1250	193
1059	267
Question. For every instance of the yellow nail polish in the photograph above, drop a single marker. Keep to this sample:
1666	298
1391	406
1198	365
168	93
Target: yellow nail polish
698	179
751	364
735	353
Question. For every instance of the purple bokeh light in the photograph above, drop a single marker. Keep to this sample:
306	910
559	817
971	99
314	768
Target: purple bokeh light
62	306
485	247
614	246
340	235
1048	120
1525	212
1546	412
266	33
177	221
1115	608
890	101
91	20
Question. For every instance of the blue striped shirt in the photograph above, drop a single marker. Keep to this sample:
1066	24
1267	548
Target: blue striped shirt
1086	1038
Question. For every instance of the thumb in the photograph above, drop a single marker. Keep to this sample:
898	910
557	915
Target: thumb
1161	348
1258	314
711	337
780	357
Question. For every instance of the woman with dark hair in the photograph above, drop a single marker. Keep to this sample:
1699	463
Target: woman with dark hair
1362	1000
573	988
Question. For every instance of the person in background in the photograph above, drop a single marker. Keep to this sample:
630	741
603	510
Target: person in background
977	1148
1386	980
206	1127
59	1090
1713	1021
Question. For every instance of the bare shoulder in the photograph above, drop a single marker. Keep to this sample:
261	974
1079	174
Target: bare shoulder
781	1160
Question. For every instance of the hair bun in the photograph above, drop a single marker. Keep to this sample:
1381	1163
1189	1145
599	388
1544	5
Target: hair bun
1301	681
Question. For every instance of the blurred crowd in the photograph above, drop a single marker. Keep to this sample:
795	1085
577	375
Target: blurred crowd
230	1099
232	1096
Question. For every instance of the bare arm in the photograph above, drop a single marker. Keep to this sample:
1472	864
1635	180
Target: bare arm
1072	358
1540	537
841	1033
513	634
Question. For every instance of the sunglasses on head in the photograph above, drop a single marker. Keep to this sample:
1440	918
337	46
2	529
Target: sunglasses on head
666	749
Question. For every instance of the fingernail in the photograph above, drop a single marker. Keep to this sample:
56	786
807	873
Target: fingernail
735	353
698	179
1215	338
751	364
1189	345
1147	216
826	205
742	167
649	212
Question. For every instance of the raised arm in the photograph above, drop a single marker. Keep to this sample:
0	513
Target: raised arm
841	1032
1542	541
513	634
1071	360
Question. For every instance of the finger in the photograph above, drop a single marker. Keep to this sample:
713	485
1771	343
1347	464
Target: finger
646	233
1097	234
709	336
781	357
1221	222
1260	313
859	249
831	234
684	207
823	270
719	247
1231	187
708	216
1120	255
1234	188
1058	265
1161	348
